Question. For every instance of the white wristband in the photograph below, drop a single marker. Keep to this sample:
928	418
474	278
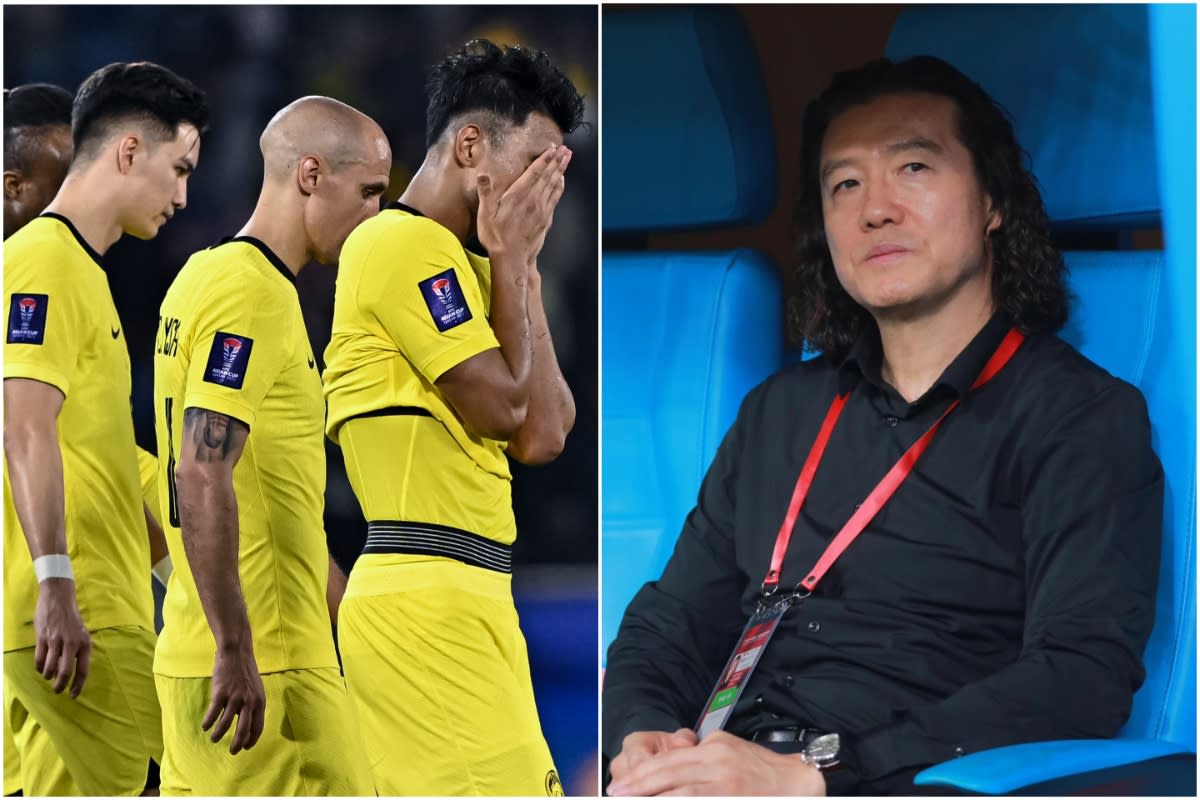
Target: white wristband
163	569
56	566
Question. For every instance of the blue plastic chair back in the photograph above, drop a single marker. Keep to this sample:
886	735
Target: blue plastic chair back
687	143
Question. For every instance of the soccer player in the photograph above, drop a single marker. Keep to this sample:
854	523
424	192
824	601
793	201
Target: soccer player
81	613
37	153
439	362
37	150
239	418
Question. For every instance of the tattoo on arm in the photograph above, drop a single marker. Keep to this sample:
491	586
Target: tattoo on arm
215	435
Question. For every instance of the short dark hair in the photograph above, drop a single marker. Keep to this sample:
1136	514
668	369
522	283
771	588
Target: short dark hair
508	82
27	108
142	90
1029	276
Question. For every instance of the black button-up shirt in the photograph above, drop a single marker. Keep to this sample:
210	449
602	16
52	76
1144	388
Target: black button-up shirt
1004	594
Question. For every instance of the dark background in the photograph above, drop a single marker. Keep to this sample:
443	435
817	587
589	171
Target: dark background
253	60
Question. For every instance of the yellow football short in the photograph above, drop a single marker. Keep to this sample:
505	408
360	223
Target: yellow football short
12	761
436	664
310	743
99	743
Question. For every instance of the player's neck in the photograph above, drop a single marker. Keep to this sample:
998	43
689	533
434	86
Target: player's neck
432	192
279	231
88	203
916	351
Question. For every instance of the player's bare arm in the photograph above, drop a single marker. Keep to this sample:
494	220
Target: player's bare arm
35	472
212	445
335	590
490	391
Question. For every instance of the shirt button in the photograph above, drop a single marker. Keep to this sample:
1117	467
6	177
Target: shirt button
958	751
891	421
758	701
788	680
814	626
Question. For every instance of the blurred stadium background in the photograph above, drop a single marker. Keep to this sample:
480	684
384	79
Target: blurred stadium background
252	60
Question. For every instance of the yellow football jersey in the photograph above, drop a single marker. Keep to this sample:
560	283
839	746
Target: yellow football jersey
63	330
232	339
411	302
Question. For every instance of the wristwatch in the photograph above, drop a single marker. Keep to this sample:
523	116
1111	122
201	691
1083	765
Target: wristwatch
822	752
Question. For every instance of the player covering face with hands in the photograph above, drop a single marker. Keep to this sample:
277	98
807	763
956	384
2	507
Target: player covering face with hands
439	369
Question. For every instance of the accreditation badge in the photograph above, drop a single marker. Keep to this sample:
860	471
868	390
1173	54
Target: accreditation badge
741	664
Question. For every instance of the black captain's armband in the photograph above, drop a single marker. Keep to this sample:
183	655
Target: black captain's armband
167	343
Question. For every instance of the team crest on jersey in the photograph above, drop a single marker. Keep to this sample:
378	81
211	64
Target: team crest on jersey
227	359
27	318
554	787
445	299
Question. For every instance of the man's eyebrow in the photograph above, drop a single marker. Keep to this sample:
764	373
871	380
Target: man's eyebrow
188	165
915	143
912	143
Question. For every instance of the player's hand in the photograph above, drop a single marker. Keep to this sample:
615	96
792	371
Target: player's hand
640	745
540	240
63	643
515	223
721	765
237	690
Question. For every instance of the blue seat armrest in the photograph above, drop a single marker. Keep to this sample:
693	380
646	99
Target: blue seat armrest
1009	769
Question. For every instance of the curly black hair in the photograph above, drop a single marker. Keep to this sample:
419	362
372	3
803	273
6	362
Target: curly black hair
151	93
28	108
1029	276
509	82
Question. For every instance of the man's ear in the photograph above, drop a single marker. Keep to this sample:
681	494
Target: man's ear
470	145
128	147
995	218
12	185
308	174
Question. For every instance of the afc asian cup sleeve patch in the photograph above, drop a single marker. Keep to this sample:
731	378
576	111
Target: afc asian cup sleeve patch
447	304
27	318
227	360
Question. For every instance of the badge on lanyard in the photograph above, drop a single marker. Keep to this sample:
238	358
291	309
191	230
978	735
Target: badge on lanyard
741	664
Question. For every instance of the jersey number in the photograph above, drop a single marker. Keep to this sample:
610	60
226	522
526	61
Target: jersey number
172	496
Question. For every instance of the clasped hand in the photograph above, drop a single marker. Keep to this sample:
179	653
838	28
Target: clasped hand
654	763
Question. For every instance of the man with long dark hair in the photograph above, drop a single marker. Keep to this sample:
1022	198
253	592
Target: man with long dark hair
968	558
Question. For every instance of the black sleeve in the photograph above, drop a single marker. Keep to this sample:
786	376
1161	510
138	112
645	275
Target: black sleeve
1092	532
678	631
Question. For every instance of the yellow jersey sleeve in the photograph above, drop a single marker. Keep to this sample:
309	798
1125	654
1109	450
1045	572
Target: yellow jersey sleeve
48	318
237	351
419	287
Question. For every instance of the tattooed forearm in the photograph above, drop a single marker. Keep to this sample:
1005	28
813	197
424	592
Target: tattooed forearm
215	435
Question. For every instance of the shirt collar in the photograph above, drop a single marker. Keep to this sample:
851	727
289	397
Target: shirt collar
865	359
87	248
267	252
474	246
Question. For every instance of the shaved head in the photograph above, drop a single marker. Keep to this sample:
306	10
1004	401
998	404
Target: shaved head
335	132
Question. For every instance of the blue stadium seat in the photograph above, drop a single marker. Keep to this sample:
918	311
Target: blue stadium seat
687	142
1103	98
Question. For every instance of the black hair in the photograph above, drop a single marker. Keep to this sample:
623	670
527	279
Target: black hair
508	82
27	108
145	91
1029	276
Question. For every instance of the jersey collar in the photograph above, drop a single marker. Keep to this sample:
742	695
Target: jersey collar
267	252
87	248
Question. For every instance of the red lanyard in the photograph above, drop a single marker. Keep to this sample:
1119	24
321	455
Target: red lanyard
879	495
